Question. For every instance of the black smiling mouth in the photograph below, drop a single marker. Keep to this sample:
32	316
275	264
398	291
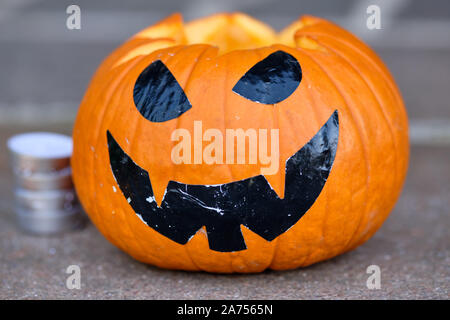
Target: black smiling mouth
223	208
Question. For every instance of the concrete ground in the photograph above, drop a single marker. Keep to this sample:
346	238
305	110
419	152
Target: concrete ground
45	69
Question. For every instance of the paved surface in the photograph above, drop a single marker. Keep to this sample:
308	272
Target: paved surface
412	250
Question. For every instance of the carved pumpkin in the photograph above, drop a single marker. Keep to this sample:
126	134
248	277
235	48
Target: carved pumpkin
342	136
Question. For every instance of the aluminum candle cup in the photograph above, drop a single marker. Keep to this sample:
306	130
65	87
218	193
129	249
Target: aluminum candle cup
49	222
45	201
54	180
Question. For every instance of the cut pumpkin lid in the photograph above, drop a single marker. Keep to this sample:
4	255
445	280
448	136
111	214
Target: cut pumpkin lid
227	31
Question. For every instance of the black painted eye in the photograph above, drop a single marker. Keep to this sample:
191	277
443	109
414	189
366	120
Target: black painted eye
271	80
157	94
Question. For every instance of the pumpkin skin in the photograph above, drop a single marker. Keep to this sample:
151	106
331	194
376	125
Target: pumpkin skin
207	57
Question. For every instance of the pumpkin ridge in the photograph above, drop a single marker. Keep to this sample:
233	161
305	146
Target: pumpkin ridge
389	80
381	110
379	66
186	248
99	138
122	213
275	110
224	104
358	130
137	128
177	120
382	70
159	261
324	192
95	137
366	157
391	85
175	50
280	238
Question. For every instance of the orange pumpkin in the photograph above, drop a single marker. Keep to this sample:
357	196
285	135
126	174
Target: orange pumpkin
342	131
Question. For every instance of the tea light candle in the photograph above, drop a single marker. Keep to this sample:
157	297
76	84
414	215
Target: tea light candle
41	165
40	152
41	145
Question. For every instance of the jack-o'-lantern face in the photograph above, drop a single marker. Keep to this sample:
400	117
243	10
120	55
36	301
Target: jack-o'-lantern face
221	145
223	207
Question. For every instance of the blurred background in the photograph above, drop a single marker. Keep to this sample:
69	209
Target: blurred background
45	69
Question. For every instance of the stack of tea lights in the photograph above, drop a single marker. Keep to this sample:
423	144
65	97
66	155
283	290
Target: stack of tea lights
45	200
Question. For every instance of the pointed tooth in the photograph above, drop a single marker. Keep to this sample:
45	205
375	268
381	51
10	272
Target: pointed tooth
159	185
277	180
